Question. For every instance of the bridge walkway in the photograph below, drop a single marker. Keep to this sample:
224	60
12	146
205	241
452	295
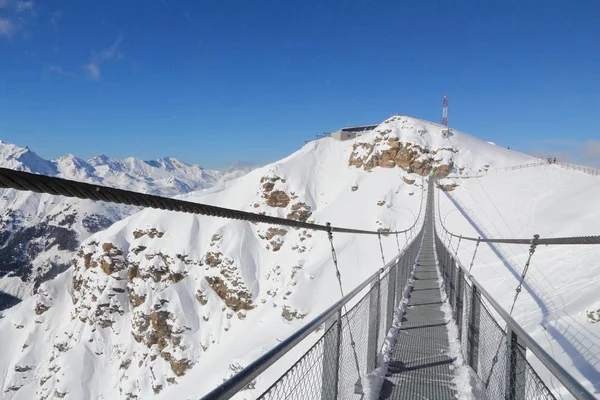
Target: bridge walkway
421	362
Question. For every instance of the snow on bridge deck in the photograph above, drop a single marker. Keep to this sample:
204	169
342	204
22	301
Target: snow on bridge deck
421	363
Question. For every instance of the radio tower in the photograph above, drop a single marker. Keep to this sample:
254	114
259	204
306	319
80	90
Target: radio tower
445	111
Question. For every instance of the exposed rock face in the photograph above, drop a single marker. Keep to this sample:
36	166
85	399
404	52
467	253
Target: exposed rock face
273	231
152	233
448	187
274	198
593	316
23	245
387	151
109	282
300	212
277	198
275	237
41	308
235	299
443	170
290	315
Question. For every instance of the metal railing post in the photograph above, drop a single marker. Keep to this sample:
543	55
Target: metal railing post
452	294
473	331
331	358
458	317
399	278
448	278
391	296
515	366
374	319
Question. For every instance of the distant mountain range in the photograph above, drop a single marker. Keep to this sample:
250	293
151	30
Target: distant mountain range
39	233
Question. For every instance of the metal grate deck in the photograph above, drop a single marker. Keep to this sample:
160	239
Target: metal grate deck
421	365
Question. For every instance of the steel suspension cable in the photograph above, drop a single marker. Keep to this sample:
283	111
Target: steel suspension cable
517	292
381	249
26	181
358	386
574	240
474	254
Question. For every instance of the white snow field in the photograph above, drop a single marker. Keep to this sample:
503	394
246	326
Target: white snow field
169	305
562	281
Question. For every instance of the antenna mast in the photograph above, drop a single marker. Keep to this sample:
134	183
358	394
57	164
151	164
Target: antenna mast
445	111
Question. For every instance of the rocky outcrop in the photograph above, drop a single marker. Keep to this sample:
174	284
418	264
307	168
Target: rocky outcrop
277	198
300	212
443	170
387	151
290	315
224	279
41	308
447	187
593	316
273	231
274	198
236	299
152	233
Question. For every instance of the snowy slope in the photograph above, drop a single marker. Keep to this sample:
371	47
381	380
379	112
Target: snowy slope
562	281
39	233
170	303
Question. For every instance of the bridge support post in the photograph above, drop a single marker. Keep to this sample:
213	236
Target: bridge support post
515	366
398	281
449	277
473	332
391	295
331	358
446	270
458	316
453	279
374	321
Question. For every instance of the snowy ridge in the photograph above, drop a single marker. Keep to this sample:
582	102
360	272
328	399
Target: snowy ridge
171	304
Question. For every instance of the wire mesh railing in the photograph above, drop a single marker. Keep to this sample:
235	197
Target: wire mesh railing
352	343
485	171
496	354
337	365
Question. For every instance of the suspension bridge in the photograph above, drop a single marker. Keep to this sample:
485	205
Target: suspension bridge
406	332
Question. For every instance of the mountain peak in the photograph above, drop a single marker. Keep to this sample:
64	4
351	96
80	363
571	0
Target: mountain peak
23	159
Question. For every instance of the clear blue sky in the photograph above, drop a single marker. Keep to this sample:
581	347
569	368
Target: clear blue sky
212	82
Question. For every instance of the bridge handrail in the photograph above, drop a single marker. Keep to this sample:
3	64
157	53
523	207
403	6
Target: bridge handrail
253	370
249	373
511	168
570	383
26	181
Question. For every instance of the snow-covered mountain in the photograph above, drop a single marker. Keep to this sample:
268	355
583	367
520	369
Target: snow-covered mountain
39	233
170	304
